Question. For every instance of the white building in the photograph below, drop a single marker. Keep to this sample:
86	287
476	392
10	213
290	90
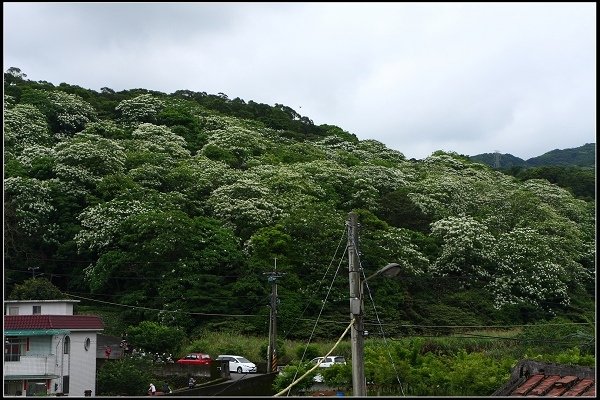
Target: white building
48	350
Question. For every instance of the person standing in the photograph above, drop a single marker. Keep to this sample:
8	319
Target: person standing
152	389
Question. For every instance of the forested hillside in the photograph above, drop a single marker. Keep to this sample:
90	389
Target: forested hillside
582	156
182	202
573	169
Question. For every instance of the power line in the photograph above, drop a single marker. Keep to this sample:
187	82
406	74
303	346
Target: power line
163	310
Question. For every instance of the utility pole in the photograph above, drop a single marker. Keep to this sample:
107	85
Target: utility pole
359	387
272	349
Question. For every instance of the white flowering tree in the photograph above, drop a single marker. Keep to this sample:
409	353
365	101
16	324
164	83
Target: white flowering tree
152	153
155	144
198	176
105	128
28	210
235	145
562	201
467	248
86	158
172	255
246	205
25	125
141	109
101	223
38	161
66	113
289	185
528	271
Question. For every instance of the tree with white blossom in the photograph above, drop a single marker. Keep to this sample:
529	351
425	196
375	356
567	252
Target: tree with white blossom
141	109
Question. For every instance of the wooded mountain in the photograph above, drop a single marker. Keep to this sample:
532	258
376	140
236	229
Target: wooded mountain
175	206
582	156
572	169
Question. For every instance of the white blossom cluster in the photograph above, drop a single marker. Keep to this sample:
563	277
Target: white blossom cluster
25	125
397	245
157	139
101	222
527	271
140	109
245	204
468	247
285	180
383	178
241	142
31	201
560	199
218	122
35	152
105	128
375	150
199	175
72	112
87	158
149	175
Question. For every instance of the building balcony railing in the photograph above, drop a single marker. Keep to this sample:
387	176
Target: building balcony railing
32	365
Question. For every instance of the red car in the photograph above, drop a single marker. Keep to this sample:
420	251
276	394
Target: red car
196	359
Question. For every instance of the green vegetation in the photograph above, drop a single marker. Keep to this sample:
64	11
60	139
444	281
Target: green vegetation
571	169
36	289
126	377
172	207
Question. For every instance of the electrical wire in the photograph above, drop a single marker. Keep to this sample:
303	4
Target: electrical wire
317	364
320	312
320	281
163	310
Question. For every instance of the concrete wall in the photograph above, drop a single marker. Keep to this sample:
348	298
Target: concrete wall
48	307
251	385
82	366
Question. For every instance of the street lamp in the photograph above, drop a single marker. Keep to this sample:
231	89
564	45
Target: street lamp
359	384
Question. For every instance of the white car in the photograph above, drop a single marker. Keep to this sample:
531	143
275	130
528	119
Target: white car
238	364
326	362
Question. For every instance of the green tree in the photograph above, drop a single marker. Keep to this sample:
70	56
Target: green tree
128	376
36	289
156	338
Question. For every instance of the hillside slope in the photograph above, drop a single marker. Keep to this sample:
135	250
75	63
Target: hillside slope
175	207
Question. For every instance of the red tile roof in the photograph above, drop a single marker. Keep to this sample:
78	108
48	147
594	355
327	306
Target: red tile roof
84	322
530	378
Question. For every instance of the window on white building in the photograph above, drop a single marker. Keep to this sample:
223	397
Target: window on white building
37	310
67	345
14	347
13	310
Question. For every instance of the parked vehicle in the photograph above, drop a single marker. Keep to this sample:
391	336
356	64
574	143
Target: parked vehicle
326	362
238	364
195	359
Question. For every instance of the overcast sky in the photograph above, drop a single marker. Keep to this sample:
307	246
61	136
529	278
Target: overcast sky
519	78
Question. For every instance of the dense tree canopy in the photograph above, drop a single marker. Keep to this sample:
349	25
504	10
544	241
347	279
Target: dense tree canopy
180	203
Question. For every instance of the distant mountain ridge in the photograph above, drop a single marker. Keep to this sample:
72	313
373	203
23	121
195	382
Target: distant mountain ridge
583	156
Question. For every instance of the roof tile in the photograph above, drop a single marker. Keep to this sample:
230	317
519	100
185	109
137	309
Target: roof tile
90	322
531	378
